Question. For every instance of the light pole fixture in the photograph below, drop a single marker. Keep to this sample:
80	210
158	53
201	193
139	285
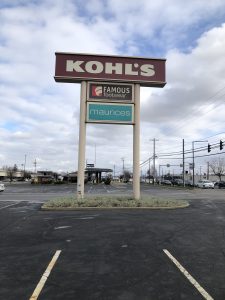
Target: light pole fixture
193	156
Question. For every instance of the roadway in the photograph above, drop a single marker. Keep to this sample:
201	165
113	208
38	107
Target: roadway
111	254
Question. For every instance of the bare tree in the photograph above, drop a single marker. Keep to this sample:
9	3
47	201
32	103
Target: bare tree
10	173
126	176
15	168
218	167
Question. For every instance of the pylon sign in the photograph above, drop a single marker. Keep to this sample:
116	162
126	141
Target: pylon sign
76	67
110	93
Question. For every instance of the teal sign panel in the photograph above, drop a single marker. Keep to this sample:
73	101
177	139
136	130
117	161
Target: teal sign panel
110	113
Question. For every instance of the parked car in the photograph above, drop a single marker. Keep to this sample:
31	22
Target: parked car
219	185
166	182
188	183
2	187
177	182
205	184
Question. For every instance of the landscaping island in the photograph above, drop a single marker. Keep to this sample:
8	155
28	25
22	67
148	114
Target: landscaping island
70	203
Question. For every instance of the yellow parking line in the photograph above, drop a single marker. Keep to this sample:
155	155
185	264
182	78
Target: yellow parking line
188	276
44	277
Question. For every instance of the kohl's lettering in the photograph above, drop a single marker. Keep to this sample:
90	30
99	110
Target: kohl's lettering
97	67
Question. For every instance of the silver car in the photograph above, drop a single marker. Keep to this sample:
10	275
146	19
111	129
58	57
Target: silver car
2	187
205	184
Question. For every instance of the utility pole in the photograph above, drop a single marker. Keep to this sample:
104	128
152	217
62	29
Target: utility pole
154	156
193	164
122	158
114	171
35	165
183	165
207	170
95	155
24	170
149	169
159	175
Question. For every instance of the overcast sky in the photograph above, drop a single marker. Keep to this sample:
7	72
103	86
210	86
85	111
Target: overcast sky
39	118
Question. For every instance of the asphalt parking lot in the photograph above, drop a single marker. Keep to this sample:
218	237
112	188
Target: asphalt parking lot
111	254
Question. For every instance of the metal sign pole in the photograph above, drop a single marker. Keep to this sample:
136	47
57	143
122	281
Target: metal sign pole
82	141
136	143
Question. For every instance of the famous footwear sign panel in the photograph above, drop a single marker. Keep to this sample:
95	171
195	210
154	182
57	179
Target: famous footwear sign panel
76	67
110	92
110	113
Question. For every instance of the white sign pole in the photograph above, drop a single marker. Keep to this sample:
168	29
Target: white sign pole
136	143
82	141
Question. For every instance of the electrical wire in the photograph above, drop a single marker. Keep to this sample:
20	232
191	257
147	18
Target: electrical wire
196	111
196	150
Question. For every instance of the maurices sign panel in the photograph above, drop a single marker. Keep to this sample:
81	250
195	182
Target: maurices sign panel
76	67
110	113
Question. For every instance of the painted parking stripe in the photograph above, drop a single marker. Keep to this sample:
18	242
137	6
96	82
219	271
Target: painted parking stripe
44	277
8	205
188	276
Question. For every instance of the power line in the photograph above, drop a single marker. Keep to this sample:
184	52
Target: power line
190	157
196	150
195	111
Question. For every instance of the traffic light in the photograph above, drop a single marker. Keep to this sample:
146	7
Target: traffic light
221	145
209	148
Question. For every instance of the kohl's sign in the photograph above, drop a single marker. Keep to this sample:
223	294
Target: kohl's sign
75	67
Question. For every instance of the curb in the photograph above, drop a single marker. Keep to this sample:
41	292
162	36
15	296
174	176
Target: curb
111	208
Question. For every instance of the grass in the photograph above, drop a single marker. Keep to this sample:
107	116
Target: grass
113	202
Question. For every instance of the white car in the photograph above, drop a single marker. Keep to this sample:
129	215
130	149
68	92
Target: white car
205	184
2	187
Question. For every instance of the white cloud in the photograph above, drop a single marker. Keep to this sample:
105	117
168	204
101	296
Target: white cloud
194	80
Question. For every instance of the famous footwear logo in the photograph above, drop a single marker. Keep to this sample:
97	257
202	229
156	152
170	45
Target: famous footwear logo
96	91
112	92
